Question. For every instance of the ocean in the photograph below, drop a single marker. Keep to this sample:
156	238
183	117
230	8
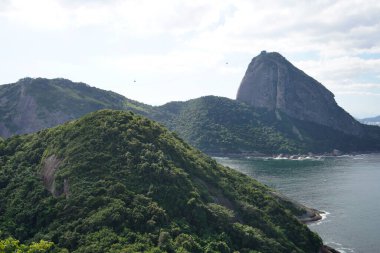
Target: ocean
347	188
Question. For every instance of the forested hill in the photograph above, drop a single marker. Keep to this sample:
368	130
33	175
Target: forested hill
223	126
220	125
113	181
32	104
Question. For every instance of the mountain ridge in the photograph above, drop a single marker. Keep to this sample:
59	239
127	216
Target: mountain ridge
32	104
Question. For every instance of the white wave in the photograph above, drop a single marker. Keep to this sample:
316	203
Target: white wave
220	157
339	247
324	215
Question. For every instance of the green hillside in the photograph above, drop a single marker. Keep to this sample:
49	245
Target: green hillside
112	181
221	125
31	104
218	125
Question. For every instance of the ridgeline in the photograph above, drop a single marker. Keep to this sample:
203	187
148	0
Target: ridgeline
32	104
222	127
279	109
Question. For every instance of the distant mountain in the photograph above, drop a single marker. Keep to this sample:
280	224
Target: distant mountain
371	121
273	83
222	126
113	181
215	125
30	105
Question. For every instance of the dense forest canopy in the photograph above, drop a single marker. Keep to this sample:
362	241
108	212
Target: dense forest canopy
113	181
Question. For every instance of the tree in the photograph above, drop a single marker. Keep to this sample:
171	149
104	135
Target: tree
11	245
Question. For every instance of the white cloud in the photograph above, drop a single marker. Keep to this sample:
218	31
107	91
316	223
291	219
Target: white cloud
39	13
336	42
134	16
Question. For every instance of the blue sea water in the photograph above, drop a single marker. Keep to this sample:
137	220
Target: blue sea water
347	188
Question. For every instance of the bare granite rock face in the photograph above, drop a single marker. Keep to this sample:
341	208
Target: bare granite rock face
48	171
21	113
272	82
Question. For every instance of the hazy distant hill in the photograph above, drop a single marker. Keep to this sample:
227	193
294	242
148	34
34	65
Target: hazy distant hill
371	121
113	181
30	104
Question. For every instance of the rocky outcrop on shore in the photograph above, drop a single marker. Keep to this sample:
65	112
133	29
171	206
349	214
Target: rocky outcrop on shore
327	249
305	214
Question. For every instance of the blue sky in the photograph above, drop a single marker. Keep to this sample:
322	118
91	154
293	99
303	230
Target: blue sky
177	50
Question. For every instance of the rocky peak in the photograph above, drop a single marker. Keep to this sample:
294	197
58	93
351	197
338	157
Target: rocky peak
272	82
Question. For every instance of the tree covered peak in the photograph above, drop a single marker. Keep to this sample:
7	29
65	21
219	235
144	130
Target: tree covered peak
113	181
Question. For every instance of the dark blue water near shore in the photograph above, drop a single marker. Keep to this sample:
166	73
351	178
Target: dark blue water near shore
347	188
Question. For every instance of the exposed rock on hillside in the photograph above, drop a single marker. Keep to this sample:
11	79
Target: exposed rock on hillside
272	82
30	105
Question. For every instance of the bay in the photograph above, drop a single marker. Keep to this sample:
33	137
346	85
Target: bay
347	188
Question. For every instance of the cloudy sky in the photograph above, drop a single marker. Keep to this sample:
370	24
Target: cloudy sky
159	51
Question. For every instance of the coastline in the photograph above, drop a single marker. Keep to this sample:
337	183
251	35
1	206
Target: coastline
304	214
287	156
327	249
310	215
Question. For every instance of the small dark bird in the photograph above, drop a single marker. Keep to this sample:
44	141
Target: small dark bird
134	81
226	62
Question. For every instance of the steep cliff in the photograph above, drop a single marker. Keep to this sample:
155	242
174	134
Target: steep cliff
272	82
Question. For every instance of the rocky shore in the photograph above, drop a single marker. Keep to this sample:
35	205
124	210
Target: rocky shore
310	155
327	249
309	215
305	214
